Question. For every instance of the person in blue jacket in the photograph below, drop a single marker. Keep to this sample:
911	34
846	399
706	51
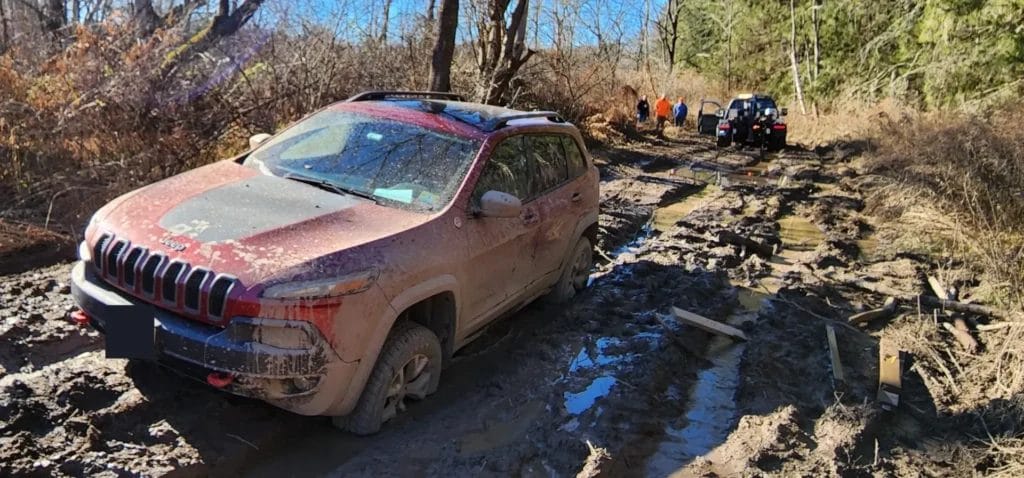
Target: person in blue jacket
679	113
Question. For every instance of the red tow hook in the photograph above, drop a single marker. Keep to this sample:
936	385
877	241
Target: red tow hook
79	317
220	379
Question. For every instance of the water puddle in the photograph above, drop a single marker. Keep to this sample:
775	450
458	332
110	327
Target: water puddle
799	234
665	218
577	403
711	412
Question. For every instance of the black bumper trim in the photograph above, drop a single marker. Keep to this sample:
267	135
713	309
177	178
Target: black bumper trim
200	344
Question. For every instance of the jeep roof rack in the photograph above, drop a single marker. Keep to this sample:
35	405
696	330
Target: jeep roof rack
501	121
398	94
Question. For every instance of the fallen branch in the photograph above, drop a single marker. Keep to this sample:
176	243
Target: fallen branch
928	300
963	336
1000	325
874	314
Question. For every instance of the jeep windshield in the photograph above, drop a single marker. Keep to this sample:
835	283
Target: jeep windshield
396	164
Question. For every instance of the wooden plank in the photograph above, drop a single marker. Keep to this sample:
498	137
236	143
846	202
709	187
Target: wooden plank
938	288
833	347
867	316
708	325
890	371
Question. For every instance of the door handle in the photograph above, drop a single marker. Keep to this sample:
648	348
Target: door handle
576	197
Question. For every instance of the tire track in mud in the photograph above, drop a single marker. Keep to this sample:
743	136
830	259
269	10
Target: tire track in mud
522	399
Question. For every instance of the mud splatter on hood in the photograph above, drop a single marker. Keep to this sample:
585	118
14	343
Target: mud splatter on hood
233	219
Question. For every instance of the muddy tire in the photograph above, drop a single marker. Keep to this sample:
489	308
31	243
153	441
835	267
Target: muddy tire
409	366
723	142
575	274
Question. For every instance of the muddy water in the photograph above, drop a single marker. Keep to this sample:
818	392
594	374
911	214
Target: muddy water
798	233
666	217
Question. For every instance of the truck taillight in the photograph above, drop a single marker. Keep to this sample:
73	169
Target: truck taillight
724	126
779	127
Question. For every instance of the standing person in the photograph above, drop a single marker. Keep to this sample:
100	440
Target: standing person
662	108
679	112
643	110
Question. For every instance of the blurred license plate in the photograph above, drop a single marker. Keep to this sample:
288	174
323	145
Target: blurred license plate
130	332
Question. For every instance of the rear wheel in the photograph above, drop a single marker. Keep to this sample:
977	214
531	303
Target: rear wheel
575	274
409	367
723	141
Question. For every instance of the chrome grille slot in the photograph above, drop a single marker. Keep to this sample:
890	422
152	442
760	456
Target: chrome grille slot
149	269
219	295
194	287
169	281
113	257
131	261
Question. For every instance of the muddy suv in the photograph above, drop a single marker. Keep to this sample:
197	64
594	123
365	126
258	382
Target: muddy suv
333	268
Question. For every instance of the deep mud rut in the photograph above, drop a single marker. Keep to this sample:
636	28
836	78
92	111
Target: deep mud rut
722	235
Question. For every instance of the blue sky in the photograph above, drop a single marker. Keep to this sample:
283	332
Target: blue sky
354	18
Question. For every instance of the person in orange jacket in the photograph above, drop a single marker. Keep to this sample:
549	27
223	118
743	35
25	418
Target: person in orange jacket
662	110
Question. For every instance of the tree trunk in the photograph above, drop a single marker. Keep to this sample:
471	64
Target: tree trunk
146	19
56	16
430	11
816	19
444	47
223	25
792	57
5	35
387	19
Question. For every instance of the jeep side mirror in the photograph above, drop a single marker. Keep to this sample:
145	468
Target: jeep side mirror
784	111
499	204
720	113
257	139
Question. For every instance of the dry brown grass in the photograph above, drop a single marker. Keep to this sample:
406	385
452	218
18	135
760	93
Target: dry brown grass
952	188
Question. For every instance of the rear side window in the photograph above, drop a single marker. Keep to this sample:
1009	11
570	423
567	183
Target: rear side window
549	157
573	155
507	171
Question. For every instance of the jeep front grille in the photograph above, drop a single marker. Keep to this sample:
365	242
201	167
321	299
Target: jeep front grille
154	276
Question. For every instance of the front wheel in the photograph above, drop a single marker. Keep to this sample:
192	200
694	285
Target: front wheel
575	274
409	367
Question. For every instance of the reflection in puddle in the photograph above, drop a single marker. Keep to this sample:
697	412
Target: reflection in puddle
665	218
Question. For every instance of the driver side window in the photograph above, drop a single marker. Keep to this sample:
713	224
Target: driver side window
507	171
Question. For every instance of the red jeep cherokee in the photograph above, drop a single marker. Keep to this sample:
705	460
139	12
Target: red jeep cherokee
332	269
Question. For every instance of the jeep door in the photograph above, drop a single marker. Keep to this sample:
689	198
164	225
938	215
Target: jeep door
500	250
707	117
560	187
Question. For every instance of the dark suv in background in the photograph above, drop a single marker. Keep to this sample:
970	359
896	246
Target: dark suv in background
750	119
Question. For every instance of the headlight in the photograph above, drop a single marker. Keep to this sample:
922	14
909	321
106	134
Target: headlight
323	288
83	252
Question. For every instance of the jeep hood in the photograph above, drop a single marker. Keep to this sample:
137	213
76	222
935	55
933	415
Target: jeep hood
236	220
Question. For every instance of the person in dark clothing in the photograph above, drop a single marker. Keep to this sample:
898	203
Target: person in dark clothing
643	110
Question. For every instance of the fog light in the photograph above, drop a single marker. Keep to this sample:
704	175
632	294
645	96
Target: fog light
304	384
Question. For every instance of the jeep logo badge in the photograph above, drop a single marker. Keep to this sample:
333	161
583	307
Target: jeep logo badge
172	244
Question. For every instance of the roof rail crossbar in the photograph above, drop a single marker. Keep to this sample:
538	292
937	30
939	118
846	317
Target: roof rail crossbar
501	121
397	94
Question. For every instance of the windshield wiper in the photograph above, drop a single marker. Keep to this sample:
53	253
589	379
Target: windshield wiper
329	186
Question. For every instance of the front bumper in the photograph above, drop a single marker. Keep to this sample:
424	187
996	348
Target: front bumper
258	370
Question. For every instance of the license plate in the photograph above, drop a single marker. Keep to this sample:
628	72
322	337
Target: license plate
130	332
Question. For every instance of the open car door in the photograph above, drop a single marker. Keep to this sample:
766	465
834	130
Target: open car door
707	117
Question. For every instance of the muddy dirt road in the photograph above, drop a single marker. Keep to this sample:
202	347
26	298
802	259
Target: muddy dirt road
750	243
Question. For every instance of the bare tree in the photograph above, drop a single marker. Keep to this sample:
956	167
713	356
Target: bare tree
668	31
792	57
500	46
444	47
